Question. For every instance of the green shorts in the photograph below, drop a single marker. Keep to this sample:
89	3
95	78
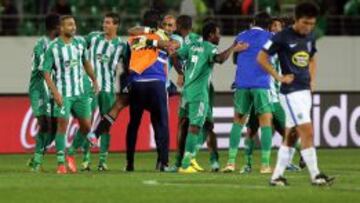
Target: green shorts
197	112
278	118
40	102
105	101
244	99
79	106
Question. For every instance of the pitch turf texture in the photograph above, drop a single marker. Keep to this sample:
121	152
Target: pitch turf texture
145	185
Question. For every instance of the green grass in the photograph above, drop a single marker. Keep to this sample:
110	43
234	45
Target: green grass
17	184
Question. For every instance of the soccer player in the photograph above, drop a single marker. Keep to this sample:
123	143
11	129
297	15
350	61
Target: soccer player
64	63
278	121
106	51
296	49
184	27
252	91
203	55
39	93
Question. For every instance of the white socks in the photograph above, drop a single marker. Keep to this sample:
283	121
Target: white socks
310	158
292	153
282	161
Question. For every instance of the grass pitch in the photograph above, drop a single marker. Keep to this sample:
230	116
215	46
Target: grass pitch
145	185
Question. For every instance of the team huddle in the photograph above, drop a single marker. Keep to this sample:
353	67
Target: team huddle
275	74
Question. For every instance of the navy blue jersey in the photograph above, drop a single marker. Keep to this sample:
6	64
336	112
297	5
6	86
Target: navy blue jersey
249	73
295	52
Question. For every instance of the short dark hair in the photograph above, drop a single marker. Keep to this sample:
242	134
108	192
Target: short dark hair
114	16
209	27
65	17
52	20
152	18
262	19
279	19
184	22
306	9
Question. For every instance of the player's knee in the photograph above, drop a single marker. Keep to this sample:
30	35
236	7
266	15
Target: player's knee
194	129
61	126
184	122
85	127
265	119
209	126
239	119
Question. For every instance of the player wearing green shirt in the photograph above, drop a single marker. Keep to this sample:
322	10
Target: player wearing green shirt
64	64
106	50
39	94
202	56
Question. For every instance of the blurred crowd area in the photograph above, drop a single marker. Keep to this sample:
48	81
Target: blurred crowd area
25	17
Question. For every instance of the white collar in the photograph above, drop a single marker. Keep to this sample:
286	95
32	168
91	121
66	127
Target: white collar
256	28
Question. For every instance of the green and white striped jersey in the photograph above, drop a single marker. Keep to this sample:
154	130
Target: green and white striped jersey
104	56
66	64
37	80
274	84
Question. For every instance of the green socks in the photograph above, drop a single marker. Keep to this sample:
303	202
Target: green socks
249	148
104	147
77	142
49	138
201	138
190	147
39	148
60	147
86	152
235	136
266	143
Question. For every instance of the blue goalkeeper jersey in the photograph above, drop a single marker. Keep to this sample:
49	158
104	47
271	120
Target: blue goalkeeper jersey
249	73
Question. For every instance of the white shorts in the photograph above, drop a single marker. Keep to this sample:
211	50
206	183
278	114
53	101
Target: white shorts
297	107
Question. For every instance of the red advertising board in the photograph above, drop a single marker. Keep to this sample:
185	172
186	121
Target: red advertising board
336	121
18	127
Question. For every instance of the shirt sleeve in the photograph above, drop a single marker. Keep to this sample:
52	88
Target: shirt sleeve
213	51
38	54
313	48
239	37
272	45
48	61
183	52
85	55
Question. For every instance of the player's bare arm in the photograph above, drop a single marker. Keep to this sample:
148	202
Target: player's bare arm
312	69
236	47
140	30
263	60
90	72
53	89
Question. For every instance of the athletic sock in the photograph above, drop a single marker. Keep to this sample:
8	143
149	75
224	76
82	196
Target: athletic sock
292	153
266	142
60	147
310	158
191	141
77	142
86	151
104	148
235	136
282	162
39	148
248	151
201	138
